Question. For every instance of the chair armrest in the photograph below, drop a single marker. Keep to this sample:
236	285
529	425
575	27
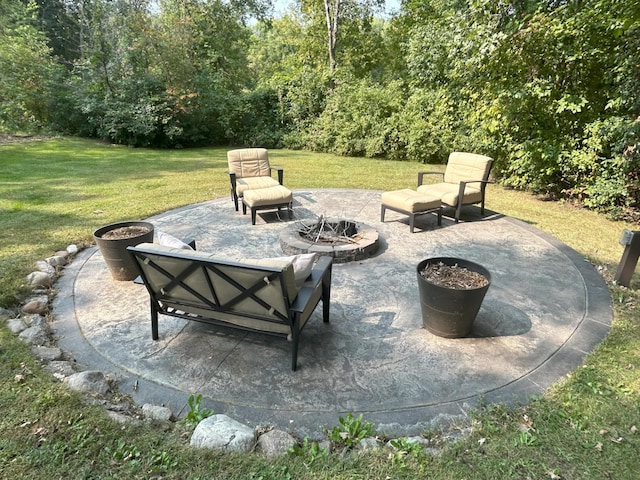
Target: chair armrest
319	273
463	185
422	174
483	182
280	171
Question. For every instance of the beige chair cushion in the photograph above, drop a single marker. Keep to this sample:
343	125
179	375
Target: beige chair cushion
249	162
467	166
261	197
449	193
410	200
253	183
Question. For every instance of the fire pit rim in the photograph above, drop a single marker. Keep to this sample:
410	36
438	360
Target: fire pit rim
293	243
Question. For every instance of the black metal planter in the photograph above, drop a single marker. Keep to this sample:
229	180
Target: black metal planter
114	251
449	312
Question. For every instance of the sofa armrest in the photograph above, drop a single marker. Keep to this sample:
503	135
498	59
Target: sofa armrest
321	273
280	171
422	174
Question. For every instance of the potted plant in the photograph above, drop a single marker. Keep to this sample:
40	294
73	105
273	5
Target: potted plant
451	293
113	240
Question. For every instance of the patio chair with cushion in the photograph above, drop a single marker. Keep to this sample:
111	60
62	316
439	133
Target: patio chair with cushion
249	169
464	183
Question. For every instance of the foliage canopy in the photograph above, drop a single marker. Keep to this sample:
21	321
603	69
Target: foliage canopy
549	88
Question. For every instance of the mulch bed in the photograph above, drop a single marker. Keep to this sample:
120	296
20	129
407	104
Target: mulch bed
454	276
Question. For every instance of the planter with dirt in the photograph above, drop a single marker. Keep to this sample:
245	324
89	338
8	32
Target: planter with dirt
451	293
113	240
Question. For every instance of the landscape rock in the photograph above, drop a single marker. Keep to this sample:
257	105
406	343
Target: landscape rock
424	442
64	254
72	249
16	325
90	381
367	444
40	279
47	354
45	267
56	261
35	335
121	418
37	305
275	443
35	321
225	434
156	412
60	369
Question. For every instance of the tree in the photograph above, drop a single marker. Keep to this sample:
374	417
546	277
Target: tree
26	69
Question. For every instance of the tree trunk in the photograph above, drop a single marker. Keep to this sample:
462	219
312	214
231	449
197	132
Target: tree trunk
333	18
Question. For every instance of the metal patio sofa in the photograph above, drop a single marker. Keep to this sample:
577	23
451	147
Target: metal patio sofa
256	295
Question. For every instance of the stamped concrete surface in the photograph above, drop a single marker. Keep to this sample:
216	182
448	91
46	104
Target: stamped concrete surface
546	309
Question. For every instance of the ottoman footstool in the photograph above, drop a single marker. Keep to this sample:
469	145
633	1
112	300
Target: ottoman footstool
266	199
411	203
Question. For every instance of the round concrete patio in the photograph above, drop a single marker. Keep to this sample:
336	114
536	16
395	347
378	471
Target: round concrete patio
546	309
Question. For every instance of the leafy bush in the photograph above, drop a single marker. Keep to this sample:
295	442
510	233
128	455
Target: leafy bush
357	120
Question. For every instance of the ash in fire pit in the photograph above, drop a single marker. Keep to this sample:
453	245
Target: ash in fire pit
344	240
329	232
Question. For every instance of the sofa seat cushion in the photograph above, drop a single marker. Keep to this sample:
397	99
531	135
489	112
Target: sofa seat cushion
449	193
253	183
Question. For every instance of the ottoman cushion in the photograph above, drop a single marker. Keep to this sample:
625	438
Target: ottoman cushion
261	197
410	201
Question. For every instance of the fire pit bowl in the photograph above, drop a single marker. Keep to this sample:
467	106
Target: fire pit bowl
344	240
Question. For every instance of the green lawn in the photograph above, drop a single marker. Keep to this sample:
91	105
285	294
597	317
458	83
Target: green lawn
56	192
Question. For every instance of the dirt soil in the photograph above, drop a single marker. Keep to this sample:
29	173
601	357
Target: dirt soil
125	232
7	138
455	277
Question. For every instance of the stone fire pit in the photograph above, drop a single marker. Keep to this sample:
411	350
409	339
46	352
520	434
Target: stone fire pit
344	240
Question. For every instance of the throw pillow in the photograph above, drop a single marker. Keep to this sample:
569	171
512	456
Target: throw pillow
167	240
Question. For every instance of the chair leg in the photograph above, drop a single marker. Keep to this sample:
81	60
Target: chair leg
440	216
326	296
458	209
154	321
253	216
295	337
412	219
382	210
